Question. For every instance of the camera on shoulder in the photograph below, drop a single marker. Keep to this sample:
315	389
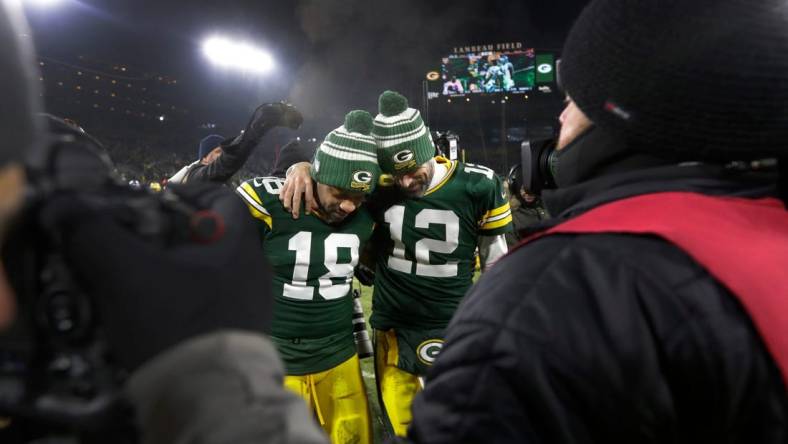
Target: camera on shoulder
57	372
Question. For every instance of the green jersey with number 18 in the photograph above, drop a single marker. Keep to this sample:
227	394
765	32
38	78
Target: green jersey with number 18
312	264
425	247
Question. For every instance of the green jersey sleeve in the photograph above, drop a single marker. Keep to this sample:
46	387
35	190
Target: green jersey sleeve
256	193
486	188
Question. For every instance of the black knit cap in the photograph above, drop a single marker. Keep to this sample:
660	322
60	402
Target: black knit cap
687	79
292	153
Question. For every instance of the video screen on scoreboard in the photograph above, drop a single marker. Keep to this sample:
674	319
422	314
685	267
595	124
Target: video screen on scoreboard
495	72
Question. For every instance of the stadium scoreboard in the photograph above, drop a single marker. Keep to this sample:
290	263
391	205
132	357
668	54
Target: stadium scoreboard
502	68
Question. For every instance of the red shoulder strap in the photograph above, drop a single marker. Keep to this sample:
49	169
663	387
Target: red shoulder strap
743	243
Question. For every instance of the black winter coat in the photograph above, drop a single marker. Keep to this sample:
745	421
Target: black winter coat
605	338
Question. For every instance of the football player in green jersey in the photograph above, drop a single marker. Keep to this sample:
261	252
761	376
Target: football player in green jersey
313	260
429	226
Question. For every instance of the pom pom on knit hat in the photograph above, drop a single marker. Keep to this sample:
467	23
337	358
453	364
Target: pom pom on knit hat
358	121
404	143
391	103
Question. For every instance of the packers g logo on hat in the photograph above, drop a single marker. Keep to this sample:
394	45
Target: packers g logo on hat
362	180
404	159
428	350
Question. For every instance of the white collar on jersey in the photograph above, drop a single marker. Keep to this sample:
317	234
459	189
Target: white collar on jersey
441	170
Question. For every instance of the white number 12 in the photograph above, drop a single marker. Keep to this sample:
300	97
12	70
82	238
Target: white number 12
395	217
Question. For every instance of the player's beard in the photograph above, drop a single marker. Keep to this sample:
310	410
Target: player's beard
332	214
416	189
421	182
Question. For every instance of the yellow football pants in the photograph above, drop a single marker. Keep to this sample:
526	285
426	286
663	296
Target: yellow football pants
396	387
339	400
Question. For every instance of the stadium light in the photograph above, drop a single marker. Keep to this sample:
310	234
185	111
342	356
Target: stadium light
42	3
239	55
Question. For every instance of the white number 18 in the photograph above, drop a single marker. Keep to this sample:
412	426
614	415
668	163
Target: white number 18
301	243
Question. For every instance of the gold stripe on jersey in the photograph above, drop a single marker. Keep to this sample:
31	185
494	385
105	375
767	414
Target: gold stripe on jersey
491	225
255	204
496	218
452	167
502	209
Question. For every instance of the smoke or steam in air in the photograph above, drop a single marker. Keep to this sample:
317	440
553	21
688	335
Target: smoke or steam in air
361	48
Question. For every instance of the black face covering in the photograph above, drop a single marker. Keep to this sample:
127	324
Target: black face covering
594	153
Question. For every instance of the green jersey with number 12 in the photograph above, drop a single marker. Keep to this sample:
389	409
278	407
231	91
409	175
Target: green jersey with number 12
425	247
312	264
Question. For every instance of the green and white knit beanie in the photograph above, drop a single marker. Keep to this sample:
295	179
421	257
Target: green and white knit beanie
404	143
347	159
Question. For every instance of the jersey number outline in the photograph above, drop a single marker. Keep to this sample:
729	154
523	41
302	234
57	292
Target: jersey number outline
395	217
273	185
480	169
301	243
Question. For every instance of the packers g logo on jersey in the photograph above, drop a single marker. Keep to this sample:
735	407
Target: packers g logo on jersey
428	350
361	180
404	159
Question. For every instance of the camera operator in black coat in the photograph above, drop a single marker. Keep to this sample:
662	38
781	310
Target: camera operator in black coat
526	205
185	321
653	310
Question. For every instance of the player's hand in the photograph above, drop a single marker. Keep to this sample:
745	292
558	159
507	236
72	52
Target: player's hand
298	186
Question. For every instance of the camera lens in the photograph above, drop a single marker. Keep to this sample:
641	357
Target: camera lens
61	312
547	161
551	165
360	334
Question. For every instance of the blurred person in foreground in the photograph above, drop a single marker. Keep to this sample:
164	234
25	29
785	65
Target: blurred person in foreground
182	321
654	310
313	260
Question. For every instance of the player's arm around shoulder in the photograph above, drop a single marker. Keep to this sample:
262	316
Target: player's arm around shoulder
297	186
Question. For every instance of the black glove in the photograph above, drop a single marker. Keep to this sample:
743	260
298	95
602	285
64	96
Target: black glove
270	115
365	275
291	118
150	296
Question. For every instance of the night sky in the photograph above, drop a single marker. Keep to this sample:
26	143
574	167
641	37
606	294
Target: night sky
332	55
